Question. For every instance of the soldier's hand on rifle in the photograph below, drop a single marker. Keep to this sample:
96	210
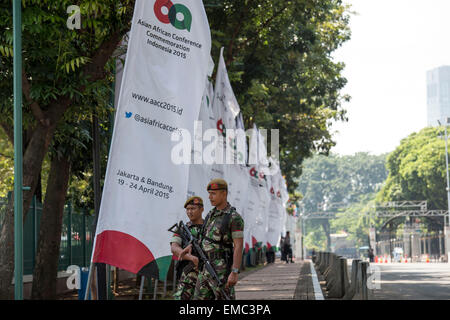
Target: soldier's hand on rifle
232	280
194	260
187	250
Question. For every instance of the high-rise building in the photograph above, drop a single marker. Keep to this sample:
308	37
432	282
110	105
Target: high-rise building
438	95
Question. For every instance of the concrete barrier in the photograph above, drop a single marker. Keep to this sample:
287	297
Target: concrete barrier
325	262
319	261
345	279
333	270
362	281
336	279
358	289
323	267
350	292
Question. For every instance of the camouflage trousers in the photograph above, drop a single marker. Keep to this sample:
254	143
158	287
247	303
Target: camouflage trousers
186	286
206	287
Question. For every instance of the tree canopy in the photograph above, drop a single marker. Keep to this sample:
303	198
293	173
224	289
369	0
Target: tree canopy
344	184
417	171
278	55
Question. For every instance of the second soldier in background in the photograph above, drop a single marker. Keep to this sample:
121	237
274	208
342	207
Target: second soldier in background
222	240
187	267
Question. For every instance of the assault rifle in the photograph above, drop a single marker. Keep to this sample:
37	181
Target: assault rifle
187	236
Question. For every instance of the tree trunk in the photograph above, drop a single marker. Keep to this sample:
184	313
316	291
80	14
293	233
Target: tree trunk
7	253
32	164
46	268
35	152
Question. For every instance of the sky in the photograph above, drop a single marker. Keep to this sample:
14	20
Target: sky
393	44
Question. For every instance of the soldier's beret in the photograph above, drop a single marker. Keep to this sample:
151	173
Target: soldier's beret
217	184
194	200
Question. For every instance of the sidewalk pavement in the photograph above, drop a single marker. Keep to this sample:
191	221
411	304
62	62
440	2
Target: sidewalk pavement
278	281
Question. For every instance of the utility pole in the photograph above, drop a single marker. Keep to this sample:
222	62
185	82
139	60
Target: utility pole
448	189
446	235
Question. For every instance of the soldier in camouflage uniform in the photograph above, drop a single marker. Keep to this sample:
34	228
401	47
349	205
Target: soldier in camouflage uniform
222	241
188	265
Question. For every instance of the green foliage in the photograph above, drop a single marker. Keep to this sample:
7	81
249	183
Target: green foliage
351	181
417	171
278	55
54	55
356	221
55	61
6	165
315	239
336	179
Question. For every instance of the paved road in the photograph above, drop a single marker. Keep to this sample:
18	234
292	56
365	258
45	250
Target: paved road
413	281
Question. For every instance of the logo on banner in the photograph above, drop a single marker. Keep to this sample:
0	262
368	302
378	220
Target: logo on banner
233	145
258	175
173	13
253	173
221	127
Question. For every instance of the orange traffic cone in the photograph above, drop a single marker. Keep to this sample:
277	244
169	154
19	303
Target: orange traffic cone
385	260
406	259
428	259
381	260
376	259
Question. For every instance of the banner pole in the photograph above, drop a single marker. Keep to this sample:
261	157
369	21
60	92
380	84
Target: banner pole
141	289
18	157
88	284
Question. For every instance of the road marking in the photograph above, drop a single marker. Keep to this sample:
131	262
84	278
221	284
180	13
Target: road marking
317	290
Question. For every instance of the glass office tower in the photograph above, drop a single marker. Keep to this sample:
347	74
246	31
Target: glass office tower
438	95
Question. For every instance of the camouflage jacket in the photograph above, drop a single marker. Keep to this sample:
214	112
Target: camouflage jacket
195	230
185	266
212	230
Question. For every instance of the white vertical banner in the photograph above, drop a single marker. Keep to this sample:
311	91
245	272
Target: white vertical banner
275	209
224	98
262	216
284	201
251	208
234	141
200	173
237	179
262	220
162	87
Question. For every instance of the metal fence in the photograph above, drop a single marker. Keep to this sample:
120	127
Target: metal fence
76	236
419	247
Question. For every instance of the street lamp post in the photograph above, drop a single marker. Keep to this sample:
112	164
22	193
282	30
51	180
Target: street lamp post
448	185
